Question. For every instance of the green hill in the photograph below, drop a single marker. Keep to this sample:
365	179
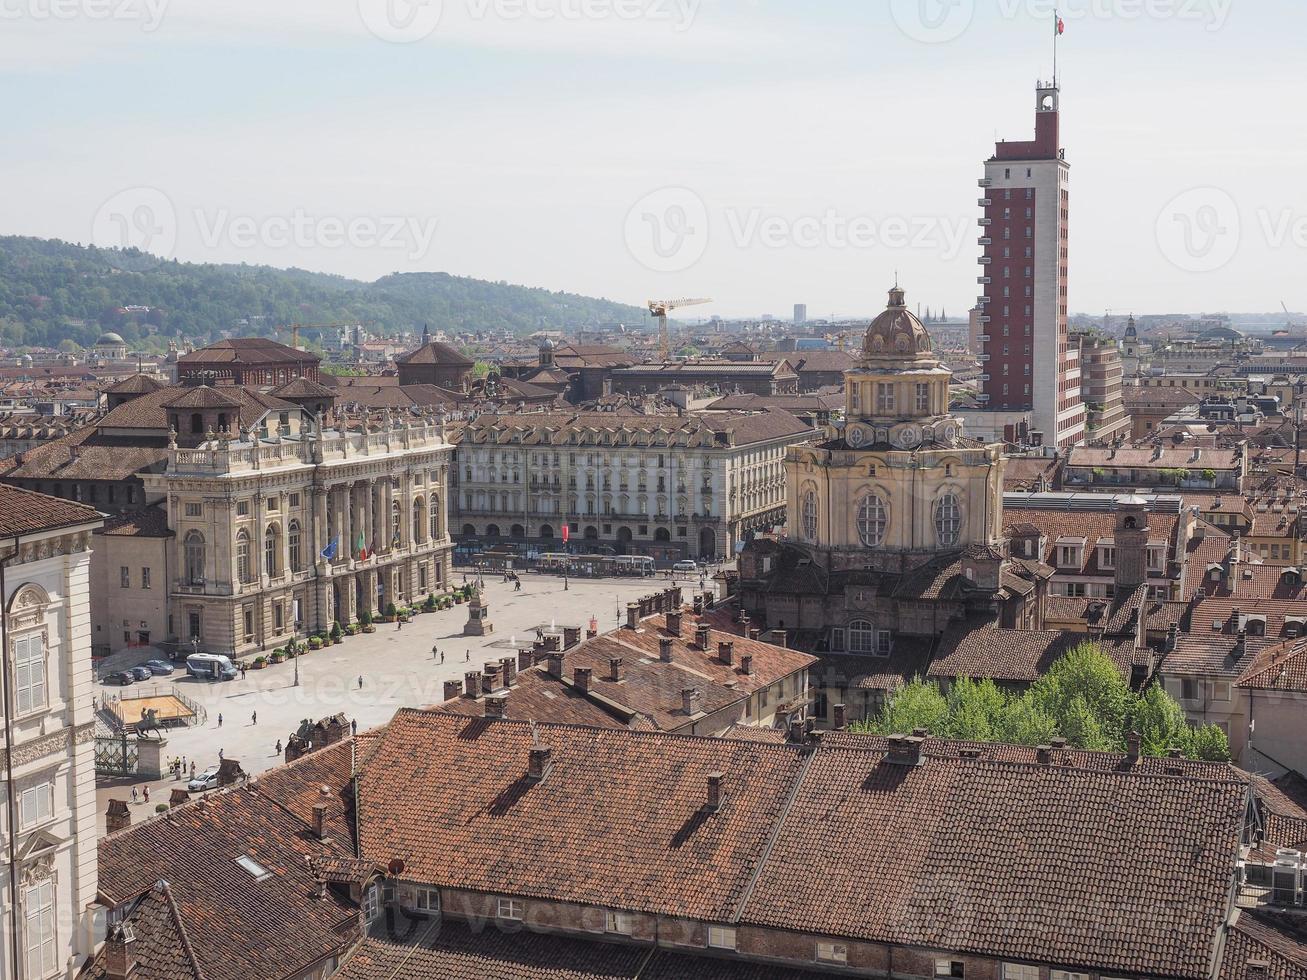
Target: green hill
52	291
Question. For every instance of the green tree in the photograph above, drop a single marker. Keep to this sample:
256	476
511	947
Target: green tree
915	705
1084	674
1159	720
975	711
1208	743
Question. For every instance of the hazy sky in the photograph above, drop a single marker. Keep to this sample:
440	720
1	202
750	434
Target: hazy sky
761	153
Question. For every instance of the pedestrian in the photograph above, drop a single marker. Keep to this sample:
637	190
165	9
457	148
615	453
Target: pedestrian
183	763
254	717
242	672
360	682
192	770
399	623
219	719
134	795
279	746
467	657
220	755
147	794
442	656
354	726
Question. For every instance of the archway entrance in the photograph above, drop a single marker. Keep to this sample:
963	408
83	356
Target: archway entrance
591	533
623	540
469	531
518	531
546	531
492	530
662	534
707	544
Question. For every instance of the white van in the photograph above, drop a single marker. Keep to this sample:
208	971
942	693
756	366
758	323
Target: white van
685	565
211	667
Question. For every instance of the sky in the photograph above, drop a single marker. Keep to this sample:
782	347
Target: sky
757	152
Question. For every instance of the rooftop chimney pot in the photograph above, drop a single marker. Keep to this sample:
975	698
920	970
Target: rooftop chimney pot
538	763
714	791
665	649
581	677
726	651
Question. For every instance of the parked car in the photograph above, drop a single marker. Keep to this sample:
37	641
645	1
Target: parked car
160	667
685	565
141	672
121	678
205	780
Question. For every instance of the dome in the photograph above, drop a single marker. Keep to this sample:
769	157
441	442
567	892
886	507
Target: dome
896	333
109	340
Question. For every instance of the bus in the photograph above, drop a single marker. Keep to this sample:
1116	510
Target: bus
211	667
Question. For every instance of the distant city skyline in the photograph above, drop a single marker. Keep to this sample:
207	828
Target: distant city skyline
752	152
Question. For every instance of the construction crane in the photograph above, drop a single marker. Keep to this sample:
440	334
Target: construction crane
659	308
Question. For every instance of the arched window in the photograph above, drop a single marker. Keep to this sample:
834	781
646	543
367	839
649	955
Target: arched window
194	549
809	514
419	522
270	550
243	570
434	509
293	545
872	518
948	520
862	637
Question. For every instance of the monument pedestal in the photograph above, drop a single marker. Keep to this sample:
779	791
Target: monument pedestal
149	758
478	617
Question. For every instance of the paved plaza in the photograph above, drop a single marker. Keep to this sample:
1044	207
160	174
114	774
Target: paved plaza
396	666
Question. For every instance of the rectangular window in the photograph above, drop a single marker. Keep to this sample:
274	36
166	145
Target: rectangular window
948	968
1020	971
145	578
884	397
622	923
194	510
510	908
832	952
125	577
29	673
837	639
1064	975
37	805
274	503
1189	689
1221	691
923	398
242	508
42	956
721	937
372	903
295	498
428	900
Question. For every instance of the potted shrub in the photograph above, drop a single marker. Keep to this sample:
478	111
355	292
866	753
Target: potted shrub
430	604
458	598
315	643
391	612
260	662
278	655
365	620
335	632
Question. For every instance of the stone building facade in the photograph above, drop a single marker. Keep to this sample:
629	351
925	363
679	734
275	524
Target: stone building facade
48	812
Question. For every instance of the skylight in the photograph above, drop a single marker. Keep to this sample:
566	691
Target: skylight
253	867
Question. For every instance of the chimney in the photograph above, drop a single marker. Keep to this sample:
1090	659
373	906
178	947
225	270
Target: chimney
1172	636
538	763
726	651
665	649
118	816
524	660
490	679
1133	745
497	706
708	600
632	616
452	689
1058	743
1240	644
797	734
508	670
556	666
714	791
1044	755
1256	970
689	700
472	684
119	957
841	717
319	820
178	796
746	663
754	633
702	633
905	750
698	605
581	678
674	622
1174	752
615	669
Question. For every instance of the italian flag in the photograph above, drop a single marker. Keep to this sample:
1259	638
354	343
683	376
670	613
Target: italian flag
1059	25
362	548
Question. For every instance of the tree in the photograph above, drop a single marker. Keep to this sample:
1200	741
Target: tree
916	705
1208	743
1159	720
975	711
1085	674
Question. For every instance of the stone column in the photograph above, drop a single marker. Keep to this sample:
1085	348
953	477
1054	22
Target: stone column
369	506
320	532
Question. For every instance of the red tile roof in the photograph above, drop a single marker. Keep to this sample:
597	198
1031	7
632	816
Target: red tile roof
1277	941
27	512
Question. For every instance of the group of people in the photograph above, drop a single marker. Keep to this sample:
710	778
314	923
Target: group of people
512	577
177	766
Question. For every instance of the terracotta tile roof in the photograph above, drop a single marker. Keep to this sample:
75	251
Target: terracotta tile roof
162	947
1090	525
752	733
137	384
27	512
239	925
538	697
1279	941
434	352
908	659
1147	458
87	455
302	388
298	786
1201	615
1278	667
1018	656
246	350
1041	850
150	411
149	522
1283	803
1210	655
464	812
451	950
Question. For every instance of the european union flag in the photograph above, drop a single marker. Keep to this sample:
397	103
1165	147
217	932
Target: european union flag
329	552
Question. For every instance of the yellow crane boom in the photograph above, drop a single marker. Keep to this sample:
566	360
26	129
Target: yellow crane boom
659	308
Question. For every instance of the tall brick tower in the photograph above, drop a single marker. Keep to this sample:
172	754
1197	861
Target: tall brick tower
1030	369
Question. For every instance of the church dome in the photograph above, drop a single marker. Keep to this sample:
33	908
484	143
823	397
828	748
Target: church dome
896	333
109	340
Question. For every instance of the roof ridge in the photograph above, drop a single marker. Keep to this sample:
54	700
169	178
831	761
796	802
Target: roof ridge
176	914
